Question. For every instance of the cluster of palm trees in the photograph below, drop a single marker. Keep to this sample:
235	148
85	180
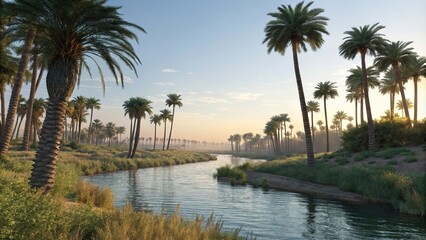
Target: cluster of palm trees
300	26
137	108
59	36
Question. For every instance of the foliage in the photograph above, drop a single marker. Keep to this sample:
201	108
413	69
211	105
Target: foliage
383	184
356	139
93	195
235	175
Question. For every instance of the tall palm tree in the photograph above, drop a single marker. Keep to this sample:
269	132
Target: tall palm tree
173	100
142	108
396	54
354	96
129	109
326	90
120	130
92	29
92	103
21	21
417	70
35	82
283	117
21	113
166	115
298	27
388	85
80	105
364	40
313	106
354	83
156	120
231	140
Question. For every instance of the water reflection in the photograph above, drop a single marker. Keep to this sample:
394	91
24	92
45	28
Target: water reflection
267	214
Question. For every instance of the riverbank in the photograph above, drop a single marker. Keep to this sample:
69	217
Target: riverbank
392	176
27	214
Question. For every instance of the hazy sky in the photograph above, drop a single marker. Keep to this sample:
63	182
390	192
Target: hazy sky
211	53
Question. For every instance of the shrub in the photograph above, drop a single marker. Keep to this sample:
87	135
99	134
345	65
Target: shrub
94	195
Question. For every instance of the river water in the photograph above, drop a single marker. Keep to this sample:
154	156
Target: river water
262	214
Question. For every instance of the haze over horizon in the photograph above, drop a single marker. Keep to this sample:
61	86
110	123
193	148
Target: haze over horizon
211	53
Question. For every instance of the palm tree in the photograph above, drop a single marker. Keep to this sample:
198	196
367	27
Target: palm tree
364	40
297	27
417	70
354	96
326	90
92	103
22	19
173	100
237	140
340	115
110	131
35	82
400	106
120	130
101	32
313	106
396	54
388	85
80	106
247	137
21	113
39	106
165	115
283	118
97	126
354	83
156	120
231	140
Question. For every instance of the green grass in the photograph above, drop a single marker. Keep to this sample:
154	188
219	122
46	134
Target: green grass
235	175
363	155
383	184
27	214
410	159
393	152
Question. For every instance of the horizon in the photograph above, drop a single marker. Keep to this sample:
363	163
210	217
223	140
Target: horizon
214	57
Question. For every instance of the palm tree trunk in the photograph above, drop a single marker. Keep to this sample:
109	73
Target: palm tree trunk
356	112
309	145
138	129
312	127
164	139
15	126
361	105
155	133
3	107
132	136
19	126
326	126
14	98
44	167
171	127
90	127
415	99
33	89
371	133
392	110
80	119
397	73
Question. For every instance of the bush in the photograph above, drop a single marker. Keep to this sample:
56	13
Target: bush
389	134
94	195
236	175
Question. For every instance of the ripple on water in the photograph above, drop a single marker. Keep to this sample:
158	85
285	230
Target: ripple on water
267	214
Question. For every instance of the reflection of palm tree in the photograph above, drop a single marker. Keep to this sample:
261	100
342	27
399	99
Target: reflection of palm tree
364	40
310	220
297	27
326	90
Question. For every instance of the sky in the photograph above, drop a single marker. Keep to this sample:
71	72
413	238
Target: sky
211	53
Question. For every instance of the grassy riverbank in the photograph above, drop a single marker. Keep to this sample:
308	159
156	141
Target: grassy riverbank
405	190
78	210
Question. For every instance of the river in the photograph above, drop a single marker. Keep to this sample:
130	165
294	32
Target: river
262	214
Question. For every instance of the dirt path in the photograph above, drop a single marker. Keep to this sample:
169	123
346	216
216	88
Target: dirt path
295	185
